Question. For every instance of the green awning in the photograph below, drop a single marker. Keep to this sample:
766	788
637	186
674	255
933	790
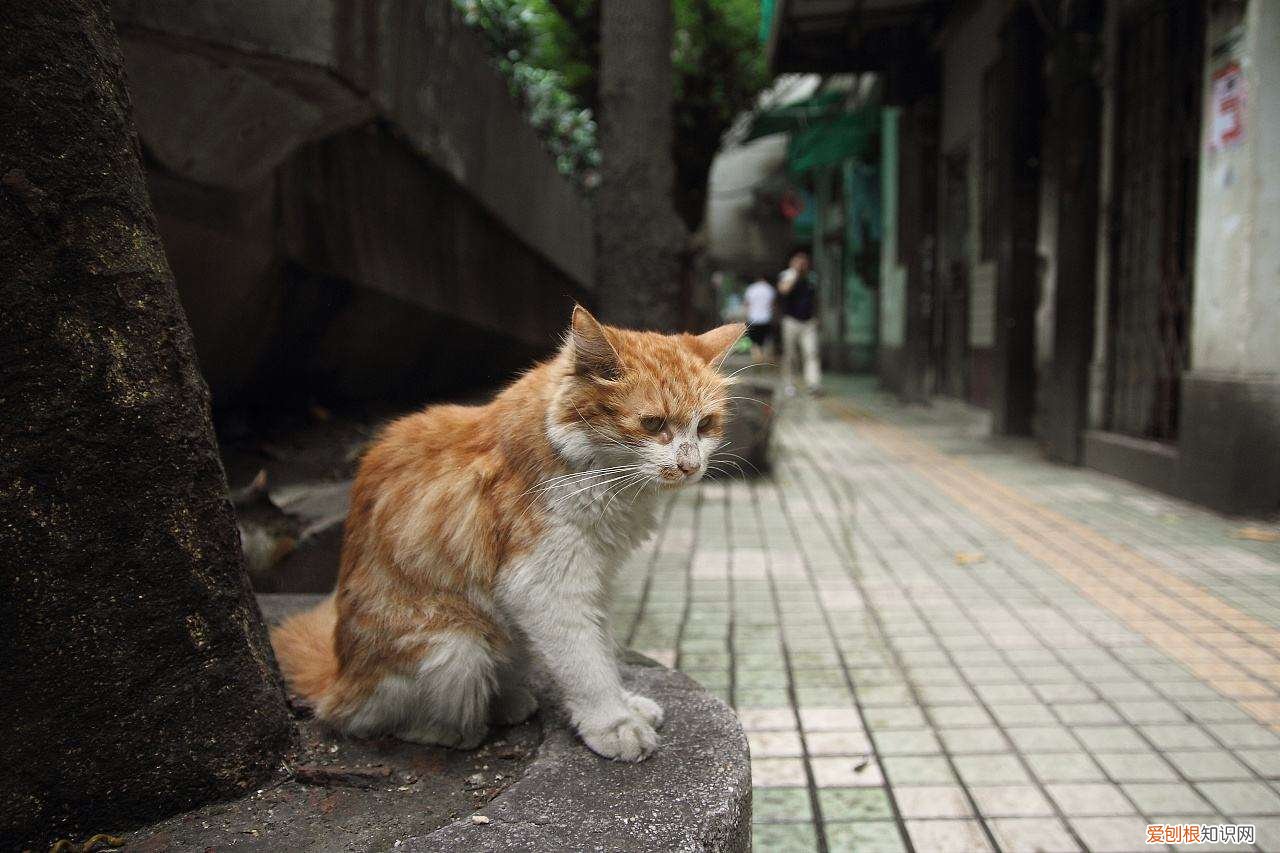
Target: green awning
834	140
796	116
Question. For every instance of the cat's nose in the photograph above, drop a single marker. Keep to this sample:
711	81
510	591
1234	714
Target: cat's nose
687	458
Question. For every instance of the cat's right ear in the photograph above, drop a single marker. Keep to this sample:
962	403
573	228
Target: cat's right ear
593	355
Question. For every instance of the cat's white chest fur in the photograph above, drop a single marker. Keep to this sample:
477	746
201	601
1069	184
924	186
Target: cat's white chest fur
614	513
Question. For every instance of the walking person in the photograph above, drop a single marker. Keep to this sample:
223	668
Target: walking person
799	324
760	298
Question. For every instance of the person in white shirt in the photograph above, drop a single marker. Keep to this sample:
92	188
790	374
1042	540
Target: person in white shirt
759	297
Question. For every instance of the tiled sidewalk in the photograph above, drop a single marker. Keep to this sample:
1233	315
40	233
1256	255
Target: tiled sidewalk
938	642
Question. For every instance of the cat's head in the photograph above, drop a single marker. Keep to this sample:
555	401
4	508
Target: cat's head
648	404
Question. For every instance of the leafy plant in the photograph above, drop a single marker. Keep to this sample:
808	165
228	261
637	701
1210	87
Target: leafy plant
519	36
550	51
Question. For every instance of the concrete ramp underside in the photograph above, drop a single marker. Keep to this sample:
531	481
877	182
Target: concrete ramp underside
349	197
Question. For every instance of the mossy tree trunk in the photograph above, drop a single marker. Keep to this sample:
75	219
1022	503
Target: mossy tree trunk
639	237
135	675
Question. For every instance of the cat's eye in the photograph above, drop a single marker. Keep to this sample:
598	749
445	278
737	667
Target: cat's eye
707	424
653	424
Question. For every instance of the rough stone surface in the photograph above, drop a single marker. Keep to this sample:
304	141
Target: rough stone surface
693	794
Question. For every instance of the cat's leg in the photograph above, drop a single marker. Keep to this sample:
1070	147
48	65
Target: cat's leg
555	597
642	705
446	701
514	702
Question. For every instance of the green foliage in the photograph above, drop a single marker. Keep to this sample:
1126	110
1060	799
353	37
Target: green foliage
550	51
521	36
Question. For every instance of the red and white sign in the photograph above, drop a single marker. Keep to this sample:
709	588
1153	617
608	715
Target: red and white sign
1227	123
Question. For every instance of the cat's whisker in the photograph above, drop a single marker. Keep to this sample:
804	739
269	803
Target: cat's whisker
748	399
575	476
639	491
593	428
560	501
723	451
748	367
639	477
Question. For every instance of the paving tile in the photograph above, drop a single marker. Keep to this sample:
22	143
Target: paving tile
978	739
1010	801
990	770
777	772
959	715
773	805
931	801
767	744
854	804
1111	834
1032	835
1089	799
766	719
1208	765
1110	738
837	743
917	770
1135	766
907	742
1265	761
1065	767
1076	692
906	717
1248	735
1177	736
1022	715
1167	798
948	836
1042	739
764	697
873	836
844	772
784	838
1233	798
1086	713
830	719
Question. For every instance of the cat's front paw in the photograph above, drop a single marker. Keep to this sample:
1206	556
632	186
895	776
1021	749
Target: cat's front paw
631	738
650	710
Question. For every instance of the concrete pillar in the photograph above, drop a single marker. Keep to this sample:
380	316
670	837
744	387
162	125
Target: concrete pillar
1073	140
1230	434
1017	213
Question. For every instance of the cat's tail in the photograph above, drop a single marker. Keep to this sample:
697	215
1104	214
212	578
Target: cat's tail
304	647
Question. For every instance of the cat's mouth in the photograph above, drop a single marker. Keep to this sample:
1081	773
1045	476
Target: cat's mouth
673	476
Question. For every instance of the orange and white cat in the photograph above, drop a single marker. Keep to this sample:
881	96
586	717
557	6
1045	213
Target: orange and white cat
481	536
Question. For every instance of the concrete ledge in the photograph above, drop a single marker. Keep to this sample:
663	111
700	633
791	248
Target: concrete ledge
694	794
1228	451
1153	464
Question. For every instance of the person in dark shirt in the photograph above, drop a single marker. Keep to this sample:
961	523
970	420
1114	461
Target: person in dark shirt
799	323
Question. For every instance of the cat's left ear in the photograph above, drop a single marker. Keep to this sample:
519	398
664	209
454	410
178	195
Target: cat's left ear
593	355
714	345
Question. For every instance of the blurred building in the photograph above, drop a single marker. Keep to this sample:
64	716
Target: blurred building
353	204
804	170
1080	220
